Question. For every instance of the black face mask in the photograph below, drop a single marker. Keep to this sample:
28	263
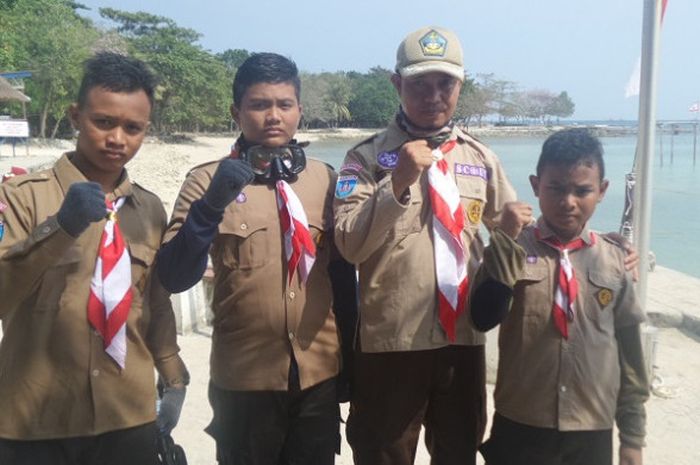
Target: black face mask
271	164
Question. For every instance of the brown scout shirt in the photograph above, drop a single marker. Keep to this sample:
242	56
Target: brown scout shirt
391	243
56	380
259	317
569	384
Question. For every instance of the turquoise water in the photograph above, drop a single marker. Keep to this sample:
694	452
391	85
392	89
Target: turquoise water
676	189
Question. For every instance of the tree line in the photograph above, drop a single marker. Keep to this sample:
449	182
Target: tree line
51	38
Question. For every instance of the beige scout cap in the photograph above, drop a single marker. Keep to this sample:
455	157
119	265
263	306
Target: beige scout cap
430	49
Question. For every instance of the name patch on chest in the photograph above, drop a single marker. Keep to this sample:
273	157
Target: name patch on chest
388	159
462	169
345	186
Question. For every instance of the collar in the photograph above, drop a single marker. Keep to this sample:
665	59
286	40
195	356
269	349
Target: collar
67	173
396	136
545	232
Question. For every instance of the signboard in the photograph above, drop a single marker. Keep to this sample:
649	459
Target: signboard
14	128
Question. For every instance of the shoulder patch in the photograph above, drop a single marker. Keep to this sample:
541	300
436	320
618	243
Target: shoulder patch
39	176
612	238
365	141
205	165
323	162
345	186
144	190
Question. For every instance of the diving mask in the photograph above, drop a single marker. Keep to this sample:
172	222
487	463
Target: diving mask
272	164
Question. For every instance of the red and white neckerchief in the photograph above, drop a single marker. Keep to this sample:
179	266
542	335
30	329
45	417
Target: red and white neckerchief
564	310
448	223
110	288
299	247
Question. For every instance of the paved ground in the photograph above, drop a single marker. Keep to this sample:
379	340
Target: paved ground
673	412
674	415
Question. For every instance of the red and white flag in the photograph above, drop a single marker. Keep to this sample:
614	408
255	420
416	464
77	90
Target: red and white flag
299	247
110	288
694	108
448	224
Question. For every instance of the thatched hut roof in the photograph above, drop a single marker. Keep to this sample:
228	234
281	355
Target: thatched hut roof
7	92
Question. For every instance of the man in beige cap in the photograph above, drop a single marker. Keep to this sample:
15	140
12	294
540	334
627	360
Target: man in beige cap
408	206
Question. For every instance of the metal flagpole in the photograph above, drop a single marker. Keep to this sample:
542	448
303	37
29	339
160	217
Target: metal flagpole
645	138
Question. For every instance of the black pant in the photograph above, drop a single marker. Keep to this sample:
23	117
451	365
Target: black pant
132	446
513	443
292	427
396	392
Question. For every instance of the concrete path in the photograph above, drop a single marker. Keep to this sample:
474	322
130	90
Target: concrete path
673	411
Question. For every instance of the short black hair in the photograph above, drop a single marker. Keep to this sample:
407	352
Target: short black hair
570	147
116	73
264	67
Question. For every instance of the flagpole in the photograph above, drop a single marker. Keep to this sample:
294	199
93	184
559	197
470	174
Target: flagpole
645	139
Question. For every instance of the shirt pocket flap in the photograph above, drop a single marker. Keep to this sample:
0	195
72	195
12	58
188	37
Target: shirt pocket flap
74	254
142	253
535	272
604	280
242	227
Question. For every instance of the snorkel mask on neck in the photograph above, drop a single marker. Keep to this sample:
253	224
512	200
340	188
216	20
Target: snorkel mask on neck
272	164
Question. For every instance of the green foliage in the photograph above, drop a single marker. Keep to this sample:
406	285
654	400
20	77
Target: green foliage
49	38
233	58
374	100
193	92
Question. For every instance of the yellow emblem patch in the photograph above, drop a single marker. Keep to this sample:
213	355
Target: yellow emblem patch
605	296
474	211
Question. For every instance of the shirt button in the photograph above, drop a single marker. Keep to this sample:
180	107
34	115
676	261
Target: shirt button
292	294
46	230
563	389
291	336
95	373
244	226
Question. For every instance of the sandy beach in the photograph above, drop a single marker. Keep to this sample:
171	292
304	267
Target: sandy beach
674	410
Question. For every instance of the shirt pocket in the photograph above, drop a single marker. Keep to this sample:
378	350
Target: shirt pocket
472	193
142	257
244	242
602	291
410	221
51	292
535	294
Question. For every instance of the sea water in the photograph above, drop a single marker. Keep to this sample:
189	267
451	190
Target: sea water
675	212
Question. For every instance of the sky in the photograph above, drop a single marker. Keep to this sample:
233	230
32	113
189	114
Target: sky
587	48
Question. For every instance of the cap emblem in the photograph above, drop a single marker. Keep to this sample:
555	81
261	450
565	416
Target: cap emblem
433	44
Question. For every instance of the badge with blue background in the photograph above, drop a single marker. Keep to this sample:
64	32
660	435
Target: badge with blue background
388	159
345	186
2	230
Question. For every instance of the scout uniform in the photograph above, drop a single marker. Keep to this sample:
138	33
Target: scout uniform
270	334
391	243
56	380
577	383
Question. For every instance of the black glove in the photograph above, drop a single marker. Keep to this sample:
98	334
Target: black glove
84	204
230	178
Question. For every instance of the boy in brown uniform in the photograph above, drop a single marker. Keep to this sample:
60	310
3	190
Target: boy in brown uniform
408	205
275	349
84	318
570	360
